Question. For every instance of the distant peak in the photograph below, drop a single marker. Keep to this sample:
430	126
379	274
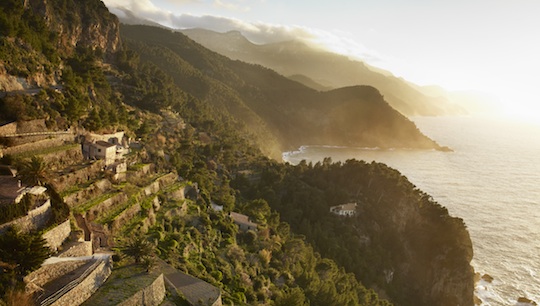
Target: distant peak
234	33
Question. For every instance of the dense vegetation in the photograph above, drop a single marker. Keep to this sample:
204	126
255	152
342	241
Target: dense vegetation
392	231
35	46
270	266
20	254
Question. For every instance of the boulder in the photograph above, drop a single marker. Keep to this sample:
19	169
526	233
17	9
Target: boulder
488	278
523	300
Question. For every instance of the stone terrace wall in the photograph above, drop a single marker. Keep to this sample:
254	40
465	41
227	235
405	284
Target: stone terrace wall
144	170
79	176
36	125
151	295
57	235
159	183
83	290
18	141
167	179
35	219
87	193
47	273
103	207
124	217
80	248
10	128
40	145
61	159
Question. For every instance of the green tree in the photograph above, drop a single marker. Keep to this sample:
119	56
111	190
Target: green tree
34	171
25	251
294	297
138	248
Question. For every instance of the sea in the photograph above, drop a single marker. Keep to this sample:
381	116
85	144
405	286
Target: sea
491	180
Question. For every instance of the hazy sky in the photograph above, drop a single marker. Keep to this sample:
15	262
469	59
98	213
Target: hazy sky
487	45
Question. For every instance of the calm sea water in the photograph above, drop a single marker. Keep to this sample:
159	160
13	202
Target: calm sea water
491	180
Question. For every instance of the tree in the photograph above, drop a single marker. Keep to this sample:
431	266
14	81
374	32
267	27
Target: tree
138	248
294	297
25	251
34	171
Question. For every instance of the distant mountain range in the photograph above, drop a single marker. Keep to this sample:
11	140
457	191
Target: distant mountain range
323	70
326	69
282	114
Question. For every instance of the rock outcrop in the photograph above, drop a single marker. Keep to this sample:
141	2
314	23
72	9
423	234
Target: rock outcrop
87	24
70	25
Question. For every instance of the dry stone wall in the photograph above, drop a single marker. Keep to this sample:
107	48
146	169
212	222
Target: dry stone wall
30	126
47	273
79	176
144	170
103	207
57	235
36	219
124	217
149	296
58	161
84	289
10	128
79	249
87	193
40	145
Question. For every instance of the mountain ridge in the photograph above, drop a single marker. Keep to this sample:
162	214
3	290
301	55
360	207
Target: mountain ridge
327	68
294	113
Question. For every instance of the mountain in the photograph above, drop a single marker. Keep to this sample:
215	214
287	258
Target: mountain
326	68
265	101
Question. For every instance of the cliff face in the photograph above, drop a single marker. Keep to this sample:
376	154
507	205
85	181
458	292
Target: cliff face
86	23
433	266
429	250
41	34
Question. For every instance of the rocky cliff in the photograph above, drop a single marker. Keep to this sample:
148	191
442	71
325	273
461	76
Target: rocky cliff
79	24
39	35
428	252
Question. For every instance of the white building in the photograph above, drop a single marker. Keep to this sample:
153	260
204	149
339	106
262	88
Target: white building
347	210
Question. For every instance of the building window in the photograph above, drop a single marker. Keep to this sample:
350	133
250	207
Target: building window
99	150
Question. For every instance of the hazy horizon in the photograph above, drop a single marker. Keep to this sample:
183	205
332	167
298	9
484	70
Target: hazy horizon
485	46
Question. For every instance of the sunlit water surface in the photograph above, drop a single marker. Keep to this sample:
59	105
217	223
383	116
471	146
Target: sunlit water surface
491	180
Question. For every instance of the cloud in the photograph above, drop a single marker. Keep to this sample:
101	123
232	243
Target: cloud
231	6
257	32
143	9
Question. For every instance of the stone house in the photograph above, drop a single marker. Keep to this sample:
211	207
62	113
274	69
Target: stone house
347	210
110	147
119	170
243	222
100	150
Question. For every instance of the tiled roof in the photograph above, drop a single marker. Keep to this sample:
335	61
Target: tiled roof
242	219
